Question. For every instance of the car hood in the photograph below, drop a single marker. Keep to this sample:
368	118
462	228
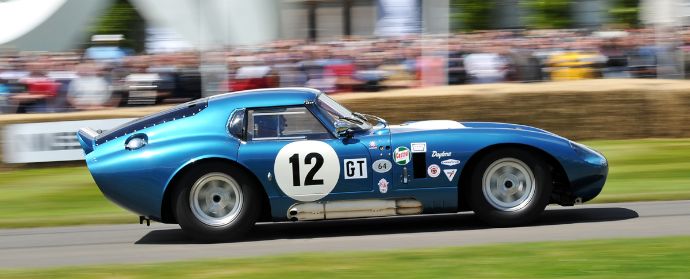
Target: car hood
426	125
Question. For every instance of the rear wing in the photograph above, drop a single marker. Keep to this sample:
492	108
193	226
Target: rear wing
87	138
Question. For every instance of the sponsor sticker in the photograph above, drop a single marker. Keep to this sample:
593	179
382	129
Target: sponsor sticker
450	173
450	162
382	166
440	154
372	145
401	155
355	168
418	147
383	186
433	170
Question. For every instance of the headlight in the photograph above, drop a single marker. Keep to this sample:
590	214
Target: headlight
136	141
588	154
582	149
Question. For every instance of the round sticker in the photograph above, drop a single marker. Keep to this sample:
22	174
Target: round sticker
401	155
433	170
307	170
382	166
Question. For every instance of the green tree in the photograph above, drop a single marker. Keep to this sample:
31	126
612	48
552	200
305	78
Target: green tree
472	14
625	12
123	18
549	13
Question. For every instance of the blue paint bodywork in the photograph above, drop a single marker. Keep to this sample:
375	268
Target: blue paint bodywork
138	179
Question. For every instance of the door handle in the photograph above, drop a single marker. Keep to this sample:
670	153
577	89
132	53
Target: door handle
404	175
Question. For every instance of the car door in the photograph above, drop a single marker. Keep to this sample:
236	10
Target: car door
295	156
381	166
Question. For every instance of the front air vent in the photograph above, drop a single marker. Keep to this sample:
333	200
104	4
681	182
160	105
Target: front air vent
419	165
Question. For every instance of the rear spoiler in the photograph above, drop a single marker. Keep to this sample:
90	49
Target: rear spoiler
87	138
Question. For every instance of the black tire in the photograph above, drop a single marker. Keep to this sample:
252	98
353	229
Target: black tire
245	219
519	215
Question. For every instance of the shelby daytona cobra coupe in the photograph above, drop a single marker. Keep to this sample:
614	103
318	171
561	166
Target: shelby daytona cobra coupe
218	165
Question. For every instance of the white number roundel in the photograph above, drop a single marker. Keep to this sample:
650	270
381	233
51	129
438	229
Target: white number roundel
307	170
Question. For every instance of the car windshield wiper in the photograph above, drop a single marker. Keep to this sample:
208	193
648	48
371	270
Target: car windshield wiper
360	115
366	116
350	119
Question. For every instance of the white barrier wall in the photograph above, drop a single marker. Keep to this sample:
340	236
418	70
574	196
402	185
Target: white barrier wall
49	141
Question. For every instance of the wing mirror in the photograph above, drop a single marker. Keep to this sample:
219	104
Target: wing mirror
343	129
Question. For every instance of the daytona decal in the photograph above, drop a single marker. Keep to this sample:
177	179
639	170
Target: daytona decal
436	154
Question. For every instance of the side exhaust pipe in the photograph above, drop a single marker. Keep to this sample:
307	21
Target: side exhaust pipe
353	209
578	201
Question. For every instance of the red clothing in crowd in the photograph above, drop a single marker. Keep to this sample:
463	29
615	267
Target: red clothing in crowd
41	86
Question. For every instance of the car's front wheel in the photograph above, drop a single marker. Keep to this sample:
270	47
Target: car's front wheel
216	203
510	187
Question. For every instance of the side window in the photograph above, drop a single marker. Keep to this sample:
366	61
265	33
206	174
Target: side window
290	123
236	124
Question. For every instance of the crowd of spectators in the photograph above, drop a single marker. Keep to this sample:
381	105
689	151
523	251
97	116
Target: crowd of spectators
57	82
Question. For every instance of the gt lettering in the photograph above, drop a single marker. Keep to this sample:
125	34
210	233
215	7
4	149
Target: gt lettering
351	168
355	168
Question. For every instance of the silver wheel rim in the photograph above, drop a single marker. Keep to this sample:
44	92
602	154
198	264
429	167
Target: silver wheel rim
508	184
216	199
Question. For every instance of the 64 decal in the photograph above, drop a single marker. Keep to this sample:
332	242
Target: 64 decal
382	166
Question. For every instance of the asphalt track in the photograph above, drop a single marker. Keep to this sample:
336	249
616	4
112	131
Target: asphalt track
86	245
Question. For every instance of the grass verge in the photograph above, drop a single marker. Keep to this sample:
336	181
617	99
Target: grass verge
645	170
620	258
640	170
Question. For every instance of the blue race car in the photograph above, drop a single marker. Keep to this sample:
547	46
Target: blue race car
218	165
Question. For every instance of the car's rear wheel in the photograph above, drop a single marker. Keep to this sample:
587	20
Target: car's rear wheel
510	187
216	203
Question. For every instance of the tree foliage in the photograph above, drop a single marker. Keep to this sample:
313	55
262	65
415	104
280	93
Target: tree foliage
123	18
477	14
472	14
549	13
625	12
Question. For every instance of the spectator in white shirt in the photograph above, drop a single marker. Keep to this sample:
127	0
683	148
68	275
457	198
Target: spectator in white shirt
89	90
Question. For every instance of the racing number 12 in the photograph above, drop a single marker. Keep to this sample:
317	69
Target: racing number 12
309	180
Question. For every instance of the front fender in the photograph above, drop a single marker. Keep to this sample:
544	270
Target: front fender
585	176
464	143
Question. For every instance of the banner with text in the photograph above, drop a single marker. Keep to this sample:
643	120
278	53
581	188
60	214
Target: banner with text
49	141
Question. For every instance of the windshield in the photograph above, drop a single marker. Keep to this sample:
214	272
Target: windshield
335	112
